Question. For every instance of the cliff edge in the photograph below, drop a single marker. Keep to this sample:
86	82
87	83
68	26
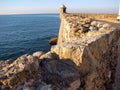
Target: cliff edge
86	57
93	44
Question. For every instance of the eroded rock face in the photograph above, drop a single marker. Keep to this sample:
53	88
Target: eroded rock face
75	27
62	74
17	72
39	72
38	54
53	41
94	51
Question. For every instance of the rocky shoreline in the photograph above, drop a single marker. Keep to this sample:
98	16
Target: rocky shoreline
37	72
86	57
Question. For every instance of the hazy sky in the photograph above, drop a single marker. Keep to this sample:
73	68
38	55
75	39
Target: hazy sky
52	6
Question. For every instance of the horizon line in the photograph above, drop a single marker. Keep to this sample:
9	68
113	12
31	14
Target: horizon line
26	13
53	13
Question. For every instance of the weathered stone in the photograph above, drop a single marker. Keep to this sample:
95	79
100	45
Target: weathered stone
85	29
86	25
75	85
94	57
18	70
49	55
26	62
38	54
87	20
94	23
92	28
106	26
47	87
99	25
64	71
53	41
92	52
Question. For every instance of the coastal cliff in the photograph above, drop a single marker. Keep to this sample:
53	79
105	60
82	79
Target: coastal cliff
93	45
86	57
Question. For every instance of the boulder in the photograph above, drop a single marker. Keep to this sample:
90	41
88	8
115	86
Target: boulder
24	68
62	68
56	74
94	23
99	25
27	62
49	55
86	25
87	20
38	54
61	73
106	26
93	28
53	41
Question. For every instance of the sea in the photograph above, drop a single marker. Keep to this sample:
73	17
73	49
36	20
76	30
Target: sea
26	33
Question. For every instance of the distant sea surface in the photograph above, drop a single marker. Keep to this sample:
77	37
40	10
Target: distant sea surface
21	34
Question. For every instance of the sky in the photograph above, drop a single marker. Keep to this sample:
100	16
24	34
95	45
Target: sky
52	6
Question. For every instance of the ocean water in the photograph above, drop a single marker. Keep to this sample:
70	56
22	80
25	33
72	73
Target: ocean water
21	34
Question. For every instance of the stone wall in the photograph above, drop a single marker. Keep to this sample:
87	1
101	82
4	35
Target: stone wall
93	45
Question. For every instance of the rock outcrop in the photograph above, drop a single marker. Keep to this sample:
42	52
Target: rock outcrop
94	46
15	73
86	57
39	72
53	41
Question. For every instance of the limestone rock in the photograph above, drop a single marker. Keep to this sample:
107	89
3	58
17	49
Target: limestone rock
26	62
47	87
94	23
64	69
86	25
87	20
38	54
99	25
75	85
56	74
106	26
49	55
92	28
53	41
95	53
18	71
61	73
